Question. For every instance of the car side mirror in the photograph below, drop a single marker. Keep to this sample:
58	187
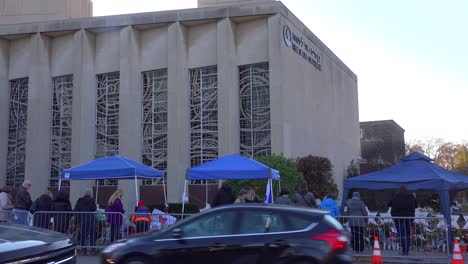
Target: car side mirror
177	233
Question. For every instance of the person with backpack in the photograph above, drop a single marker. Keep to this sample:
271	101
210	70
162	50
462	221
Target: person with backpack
304	198
141	218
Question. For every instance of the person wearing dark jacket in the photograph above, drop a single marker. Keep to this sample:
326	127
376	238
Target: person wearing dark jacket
304	198
223	196
284	198
40	209
403	205
86	219
357	212
23	203
141	218
62	206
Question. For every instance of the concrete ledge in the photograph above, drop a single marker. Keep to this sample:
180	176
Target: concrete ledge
166	17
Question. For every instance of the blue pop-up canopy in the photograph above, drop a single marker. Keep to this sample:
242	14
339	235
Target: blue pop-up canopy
232	167
416	172
113	167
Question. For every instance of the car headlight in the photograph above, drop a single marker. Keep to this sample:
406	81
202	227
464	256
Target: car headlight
113	247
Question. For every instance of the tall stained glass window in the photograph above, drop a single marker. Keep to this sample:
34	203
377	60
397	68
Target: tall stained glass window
61	130
203	115
255	132
155	121
107	118
17	132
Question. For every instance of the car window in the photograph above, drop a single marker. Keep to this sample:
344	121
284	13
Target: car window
270	222
262	222
333	222
215	224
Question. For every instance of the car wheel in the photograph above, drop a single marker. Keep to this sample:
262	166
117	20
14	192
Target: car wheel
137	260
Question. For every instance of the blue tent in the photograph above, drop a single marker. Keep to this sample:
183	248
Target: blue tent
232	167
416	172
113	167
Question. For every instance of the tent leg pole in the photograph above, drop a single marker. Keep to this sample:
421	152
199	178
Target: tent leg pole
97	190
206	194
183	198
60	184
164	192
136	191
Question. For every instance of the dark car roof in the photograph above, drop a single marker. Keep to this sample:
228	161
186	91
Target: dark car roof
297	209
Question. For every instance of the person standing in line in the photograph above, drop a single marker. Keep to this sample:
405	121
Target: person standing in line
243	195
223	196
42	206
23	203
357	221
304	198
284	198
86	220
330	205
114	214
5	204
141	218
403	207
62	206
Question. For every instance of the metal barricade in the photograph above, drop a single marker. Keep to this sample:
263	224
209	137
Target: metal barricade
399	237
90	230
94	230
6	216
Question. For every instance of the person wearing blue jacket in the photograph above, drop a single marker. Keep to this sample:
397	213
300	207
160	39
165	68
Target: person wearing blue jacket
330	205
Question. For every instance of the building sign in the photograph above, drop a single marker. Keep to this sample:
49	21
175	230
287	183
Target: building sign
301	48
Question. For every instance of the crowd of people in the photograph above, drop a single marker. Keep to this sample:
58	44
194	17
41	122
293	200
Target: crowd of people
302	197
54	211
57	213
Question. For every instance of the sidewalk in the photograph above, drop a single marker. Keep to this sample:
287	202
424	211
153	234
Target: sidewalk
87	259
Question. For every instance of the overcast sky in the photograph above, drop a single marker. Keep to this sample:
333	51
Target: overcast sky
411	57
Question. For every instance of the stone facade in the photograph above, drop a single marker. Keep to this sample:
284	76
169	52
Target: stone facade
382	144
293	94
22	11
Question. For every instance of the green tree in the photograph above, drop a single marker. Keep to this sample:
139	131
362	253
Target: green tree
290	177
318	174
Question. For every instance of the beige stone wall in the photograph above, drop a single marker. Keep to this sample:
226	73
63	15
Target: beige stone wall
210	3
312	112
21	11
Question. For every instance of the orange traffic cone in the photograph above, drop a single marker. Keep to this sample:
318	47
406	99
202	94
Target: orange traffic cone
457	257
376	256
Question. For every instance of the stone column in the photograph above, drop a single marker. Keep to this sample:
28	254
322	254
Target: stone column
130	99
39	116
228	89
178	112
276	85
84	107
4	108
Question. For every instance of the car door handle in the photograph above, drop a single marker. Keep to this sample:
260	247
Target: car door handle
278	243
217	246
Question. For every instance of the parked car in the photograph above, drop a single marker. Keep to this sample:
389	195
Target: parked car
27	244
244	233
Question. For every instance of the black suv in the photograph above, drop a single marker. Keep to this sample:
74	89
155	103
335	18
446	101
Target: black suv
245	233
